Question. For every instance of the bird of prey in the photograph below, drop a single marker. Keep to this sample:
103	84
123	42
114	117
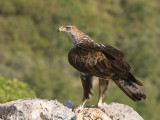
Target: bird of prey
91	58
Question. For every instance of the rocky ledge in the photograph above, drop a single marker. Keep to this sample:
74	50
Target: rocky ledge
38	109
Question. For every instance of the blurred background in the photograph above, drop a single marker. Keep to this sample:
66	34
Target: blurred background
33	56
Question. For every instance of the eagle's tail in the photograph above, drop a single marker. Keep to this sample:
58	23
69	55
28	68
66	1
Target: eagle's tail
130	89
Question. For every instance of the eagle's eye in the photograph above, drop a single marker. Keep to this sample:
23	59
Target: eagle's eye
68	28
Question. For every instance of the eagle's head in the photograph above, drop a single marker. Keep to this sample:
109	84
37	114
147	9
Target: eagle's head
73	32
70	29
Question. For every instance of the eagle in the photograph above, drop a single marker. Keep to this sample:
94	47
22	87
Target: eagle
92	58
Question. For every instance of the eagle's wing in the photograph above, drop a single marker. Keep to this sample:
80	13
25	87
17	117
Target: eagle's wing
106	49
113	61
96	63
112	54
90	61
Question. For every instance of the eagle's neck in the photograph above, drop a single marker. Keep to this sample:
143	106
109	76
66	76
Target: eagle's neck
74	39
77	38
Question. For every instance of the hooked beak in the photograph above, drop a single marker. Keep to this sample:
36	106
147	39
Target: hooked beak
61	29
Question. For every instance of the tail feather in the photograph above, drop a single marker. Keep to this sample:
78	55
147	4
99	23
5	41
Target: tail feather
130	89
133	79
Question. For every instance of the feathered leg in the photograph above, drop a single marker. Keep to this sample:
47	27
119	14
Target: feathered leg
87	88
103	85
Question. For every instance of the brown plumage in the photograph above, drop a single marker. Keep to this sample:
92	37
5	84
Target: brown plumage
101	60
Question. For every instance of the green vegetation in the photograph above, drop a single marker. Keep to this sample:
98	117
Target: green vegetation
32	51
14	89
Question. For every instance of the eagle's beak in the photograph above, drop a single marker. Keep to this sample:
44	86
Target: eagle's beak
61	29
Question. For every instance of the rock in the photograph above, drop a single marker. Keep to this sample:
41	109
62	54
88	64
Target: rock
69	104
119	111
35	109
38	109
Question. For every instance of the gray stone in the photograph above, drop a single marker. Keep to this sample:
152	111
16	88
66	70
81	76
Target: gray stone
69	104
119	111
38	109
35	109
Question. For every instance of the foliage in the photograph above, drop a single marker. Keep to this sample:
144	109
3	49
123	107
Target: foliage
32	51
14	89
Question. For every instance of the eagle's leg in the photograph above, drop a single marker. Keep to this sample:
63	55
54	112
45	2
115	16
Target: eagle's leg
103	85
87	88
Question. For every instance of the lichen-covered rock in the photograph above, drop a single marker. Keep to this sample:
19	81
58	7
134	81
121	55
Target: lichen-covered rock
38	109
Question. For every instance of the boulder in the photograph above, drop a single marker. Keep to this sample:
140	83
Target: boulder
118	111
35	109
38	109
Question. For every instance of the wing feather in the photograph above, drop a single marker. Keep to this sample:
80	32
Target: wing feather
113	52
106	49
115	56
92	62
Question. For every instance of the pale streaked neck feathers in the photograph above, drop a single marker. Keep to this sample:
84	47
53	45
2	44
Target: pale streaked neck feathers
77	37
